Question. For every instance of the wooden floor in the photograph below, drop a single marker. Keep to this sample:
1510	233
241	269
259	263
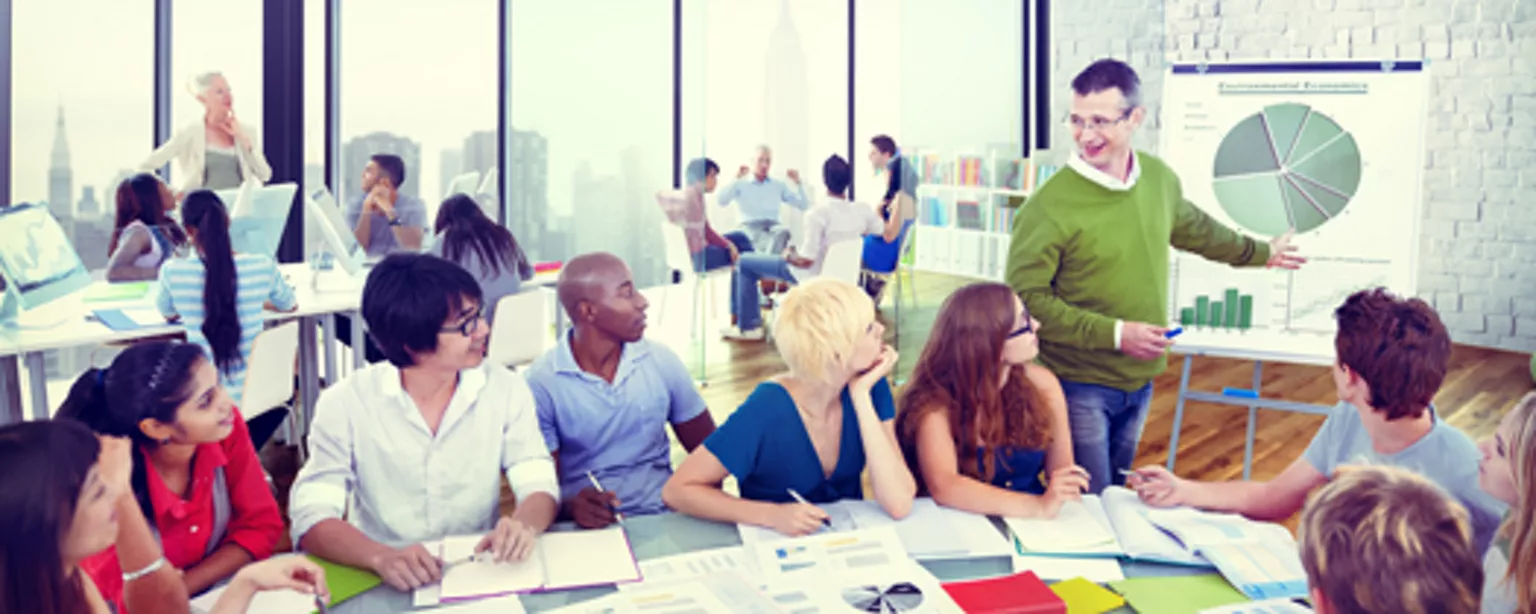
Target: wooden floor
1481	386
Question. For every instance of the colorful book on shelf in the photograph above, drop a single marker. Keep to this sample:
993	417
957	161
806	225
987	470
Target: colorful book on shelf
1028	176
934	169
968	215
1021	593
1044	172
969	171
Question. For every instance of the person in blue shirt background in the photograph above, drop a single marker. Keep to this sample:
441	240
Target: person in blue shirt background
605	396
760	197
810	432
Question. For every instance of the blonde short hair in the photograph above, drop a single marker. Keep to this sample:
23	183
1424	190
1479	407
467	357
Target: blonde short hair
818	325
202	81
1384	539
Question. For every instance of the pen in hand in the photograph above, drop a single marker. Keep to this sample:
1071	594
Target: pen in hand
595	484
824	522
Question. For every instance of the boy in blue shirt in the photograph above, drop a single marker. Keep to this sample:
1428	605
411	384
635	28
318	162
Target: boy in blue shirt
1392	357
605	396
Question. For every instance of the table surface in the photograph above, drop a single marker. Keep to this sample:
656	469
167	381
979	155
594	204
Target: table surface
668	534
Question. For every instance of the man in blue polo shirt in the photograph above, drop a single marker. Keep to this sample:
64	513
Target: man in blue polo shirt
605	396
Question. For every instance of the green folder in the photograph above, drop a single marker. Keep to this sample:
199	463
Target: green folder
117	292
346	582
1177	594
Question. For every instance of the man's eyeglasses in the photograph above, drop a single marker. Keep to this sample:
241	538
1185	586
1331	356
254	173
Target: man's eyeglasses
1097	123
468	326
1029	327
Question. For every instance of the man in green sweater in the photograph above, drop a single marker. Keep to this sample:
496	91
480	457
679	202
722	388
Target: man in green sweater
1089	257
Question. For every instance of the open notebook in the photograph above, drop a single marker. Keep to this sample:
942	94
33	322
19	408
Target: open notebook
1113	524
561	561
930	532
1259	558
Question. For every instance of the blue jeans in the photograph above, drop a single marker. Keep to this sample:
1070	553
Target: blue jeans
745	300
1106	426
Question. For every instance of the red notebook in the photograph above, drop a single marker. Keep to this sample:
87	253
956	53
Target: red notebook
547	267
1020	593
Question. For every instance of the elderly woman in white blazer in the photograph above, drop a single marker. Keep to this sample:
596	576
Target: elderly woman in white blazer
217	152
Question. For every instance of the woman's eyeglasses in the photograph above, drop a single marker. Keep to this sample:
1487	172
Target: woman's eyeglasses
469	325
1029	327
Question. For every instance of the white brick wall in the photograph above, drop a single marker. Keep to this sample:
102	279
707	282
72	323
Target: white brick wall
1478	243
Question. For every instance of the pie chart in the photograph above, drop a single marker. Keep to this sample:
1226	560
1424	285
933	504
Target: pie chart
1287	166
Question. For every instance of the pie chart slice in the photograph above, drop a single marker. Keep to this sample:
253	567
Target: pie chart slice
1255	202
1336	165
1246	150
1320	174
1284	122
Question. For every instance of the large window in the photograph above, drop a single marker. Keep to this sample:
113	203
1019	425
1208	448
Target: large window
775	74
591	133
418	81
82	108
216	35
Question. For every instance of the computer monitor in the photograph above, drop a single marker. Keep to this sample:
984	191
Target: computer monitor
335	234
463	184
36	259
257	215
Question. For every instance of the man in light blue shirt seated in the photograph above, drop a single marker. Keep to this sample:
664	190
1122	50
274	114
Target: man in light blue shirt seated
1393	354
605	396
394	221
760	197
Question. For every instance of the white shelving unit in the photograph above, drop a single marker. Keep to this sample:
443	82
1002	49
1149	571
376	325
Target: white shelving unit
965	208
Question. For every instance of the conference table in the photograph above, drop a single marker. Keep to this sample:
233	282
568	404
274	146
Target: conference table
661	535
67	323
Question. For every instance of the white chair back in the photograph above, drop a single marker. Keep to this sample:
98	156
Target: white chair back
678	256
843	261
269	370
521	329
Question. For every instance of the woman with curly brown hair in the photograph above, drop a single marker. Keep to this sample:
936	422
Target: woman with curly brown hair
979	421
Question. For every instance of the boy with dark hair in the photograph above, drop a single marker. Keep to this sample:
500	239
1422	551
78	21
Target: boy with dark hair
1392	358
826	224
419	444
383	219
1382	539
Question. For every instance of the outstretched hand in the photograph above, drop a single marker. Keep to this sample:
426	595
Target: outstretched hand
1282	255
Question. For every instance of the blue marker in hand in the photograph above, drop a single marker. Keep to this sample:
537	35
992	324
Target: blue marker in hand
1175	332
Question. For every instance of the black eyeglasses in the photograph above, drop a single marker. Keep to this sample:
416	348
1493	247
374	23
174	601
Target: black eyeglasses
1029	327
1097	123
468	326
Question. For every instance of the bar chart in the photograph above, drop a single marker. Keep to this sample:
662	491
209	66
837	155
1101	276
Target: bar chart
1231	310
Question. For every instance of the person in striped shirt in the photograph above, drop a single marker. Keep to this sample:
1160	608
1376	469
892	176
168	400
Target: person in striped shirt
219	294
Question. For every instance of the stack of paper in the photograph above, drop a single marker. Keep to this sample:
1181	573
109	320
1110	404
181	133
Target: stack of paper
1074	529
691	597
830	552
694	565
561	561
903	587
930	532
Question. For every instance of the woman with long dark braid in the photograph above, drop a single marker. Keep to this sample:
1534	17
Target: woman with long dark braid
219	294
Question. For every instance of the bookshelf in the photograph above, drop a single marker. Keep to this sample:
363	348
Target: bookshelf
965	208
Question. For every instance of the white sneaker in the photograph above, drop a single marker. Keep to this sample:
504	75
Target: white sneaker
734	333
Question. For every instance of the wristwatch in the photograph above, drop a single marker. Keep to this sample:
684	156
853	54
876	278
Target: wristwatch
394	221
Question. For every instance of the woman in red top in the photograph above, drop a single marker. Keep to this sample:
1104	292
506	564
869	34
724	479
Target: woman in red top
195	473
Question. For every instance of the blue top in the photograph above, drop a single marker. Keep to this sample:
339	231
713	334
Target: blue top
1446	456
765	445
258	281
760	199
1018	469
381	238
617	431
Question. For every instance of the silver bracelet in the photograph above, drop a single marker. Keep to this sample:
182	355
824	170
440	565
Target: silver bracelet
148	569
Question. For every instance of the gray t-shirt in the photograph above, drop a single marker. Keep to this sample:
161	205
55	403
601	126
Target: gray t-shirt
495	282
1446	456
381	238
1498	594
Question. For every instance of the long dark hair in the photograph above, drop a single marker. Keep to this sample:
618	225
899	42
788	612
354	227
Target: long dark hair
958	373
46	464
465	228
139	198
147	380
221	285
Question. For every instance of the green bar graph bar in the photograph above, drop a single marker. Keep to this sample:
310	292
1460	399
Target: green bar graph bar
1187	316
1231	304
1245	313
1202	311
1216	315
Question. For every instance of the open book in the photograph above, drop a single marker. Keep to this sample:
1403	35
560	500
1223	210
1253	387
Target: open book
1259	558
930	532
561	561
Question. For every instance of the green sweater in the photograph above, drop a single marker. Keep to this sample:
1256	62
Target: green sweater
1084	256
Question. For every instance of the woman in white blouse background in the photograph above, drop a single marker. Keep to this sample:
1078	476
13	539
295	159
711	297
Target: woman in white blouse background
218	152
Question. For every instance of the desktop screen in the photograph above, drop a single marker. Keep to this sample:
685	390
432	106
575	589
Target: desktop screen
43	257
